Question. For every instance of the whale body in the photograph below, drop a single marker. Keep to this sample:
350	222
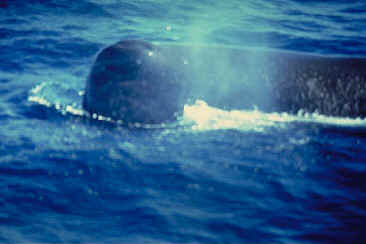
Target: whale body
136	81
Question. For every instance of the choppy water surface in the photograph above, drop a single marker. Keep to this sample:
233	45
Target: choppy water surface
215	176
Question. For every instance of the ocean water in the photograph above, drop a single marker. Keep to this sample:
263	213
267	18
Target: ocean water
214	176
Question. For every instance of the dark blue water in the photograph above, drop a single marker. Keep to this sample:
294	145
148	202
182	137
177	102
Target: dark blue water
223	177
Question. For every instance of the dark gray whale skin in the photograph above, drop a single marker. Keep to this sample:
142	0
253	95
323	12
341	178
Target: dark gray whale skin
136	81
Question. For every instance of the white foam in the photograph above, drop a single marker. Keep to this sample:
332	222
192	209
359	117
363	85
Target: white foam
205	117
200	116
38	88
39	100
39	95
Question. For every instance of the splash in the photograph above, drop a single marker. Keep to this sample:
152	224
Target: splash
205	117
54	95
67	101
198	117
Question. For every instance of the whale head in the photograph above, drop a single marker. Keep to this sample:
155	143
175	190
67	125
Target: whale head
134	81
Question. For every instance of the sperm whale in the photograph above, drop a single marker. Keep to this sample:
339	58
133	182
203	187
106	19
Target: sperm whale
137	81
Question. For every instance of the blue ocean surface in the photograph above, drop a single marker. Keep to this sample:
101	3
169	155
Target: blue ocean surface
215	176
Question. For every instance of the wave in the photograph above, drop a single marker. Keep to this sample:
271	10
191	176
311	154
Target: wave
212	118
198	116
68	101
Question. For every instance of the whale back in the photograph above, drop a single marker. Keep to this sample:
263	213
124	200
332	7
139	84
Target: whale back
278	81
